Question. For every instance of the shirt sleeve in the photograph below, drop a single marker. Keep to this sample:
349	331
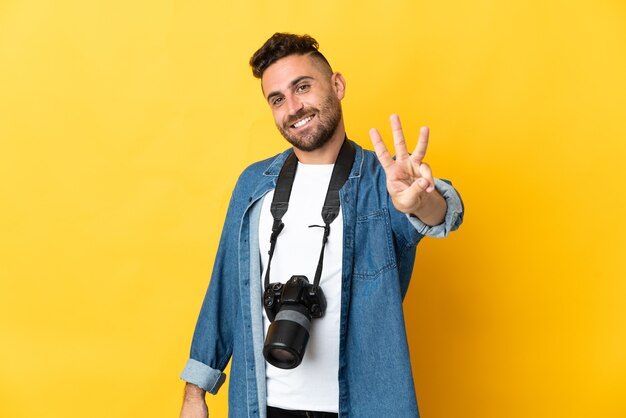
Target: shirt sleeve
203	376
454	213
213	338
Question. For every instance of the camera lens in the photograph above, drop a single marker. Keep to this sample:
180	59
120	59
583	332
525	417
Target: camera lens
287	337
281	356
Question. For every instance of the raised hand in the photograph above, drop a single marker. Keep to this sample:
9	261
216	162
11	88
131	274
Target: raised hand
409	179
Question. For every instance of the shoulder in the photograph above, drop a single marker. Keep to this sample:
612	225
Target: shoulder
267	167
370	161
369	168
256	169
260	171
365	162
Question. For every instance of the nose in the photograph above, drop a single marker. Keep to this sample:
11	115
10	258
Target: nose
293	104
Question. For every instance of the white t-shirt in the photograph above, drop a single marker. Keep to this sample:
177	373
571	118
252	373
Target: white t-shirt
314	384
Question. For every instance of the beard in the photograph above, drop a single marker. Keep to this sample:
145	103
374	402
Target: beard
329	116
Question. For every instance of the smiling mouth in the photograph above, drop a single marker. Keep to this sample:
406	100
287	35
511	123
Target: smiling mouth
302	122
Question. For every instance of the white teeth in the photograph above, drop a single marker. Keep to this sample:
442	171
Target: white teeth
302	122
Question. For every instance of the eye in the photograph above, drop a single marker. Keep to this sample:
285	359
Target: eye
303	88
277	101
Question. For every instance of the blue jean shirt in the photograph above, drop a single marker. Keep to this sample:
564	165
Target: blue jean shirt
375	377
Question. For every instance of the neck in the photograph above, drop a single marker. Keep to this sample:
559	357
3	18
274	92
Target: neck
326	154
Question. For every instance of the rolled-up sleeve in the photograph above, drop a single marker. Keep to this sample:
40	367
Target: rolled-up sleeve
203	376
454	213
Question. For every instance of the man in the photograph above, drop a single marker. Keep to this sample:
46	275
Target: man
356	362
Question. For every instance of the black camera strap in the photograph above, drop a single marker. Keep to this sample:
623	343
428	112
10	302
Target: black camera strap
330	210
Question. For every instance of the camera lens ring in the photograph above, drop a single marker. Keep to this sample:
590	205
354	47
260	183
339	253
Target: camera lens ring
286	314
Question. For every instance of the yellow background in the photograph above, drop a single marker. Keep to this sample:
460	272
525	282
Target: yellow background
124	125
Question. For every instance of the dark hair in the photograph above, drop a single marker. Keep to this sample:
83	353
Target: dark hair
281	45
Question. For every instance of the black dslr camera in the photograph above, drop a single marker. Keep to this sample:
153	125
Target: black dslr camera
290	307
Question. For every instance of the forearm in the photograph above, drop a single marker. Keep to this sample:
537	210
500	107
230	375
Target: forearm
431	209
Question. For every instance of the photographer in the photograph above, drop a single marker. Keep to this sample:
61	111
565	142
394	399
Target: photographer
315	258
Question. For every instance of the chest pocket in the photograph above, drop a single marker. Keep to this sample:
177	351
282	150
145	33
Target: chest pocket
373	250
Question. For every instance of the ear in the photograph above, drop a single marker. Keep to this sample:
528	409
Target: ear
339	85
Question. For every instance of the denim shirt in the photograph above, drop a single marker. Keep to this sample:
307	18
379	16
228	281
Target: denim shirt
375	377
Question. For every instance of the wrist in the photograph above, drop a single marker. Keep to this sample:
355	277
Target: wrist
194	393
431	208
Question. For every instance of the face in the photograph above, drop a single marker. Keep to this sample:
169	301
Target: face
305	100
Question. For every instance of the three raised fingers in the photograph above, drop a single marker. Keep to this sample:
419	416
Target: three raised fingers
399	143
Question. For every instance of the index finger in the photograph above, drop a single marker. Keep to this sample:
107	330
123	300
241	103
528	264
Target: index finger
381	150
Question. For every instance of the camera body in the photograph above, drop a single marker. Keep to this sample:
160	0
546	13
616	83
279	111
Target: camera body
290	307
297	290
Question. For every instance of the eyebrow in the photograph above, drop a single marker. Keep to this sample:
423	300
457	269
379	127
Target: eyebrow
293	83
